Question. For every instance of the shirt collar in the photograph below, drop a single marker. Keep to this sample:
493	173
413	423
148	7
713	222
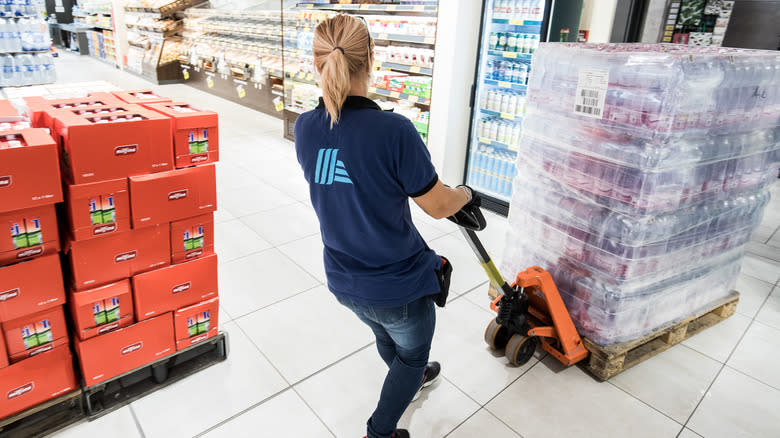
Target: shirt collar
356	102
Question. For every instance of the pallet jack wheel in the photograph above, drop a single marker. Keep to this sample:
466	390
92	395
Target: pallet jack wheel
520	349
496	335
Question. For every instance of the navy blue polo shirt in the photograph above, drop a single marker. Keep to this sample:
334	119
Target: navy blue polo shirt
361	174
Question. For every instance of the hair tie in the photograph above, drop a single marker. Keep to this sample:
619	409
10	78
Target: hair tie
339	49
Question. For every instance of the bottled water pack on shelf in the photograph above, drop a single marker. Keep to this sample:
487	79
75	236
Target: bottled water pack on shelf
642	171
26	69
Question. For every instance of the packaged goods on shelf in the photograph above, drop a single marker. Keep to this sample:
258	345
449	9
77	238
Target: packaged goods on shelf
166	197
93	7
174	287
33	233
125	349
29	170
642	171
110	146
305	97
97	209
101	310
36	380
409	26
111	258
196	323
36	333
195	133
26	69
412	56
26	291
192	238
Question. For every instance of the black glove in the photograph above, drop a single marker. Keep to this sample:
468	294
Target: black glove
470	216
444	275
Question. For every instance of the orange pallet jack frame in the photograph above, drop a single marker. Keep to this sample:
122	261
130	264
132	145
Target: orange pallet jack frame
529	311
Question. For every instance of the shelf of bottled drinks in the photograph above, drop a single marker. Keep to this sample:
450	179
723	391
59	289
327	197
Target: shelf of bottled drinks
24	45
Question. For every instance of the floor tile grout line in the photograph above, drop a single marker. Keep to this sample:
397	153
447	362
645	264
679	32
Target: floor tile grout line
321	370
242	412
752	377
645	403
236	318
137	422
501	420
312	410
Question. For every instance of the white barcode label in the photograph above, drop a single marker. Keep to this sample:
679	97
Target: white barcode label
591	93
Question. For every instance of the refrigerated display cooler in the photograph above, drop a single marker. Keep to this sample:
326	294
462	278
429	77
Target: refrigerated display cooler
511	31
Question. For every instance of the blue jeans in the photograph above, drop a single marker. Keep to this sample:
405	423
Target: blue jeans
403	338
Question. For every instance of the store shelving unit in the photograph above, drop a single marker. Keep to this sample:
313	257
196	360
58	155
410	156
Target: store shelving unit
96	19
237	54
300	85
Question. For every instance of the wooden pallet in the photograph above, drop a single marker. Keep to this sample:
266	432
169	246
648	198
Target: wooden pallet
44	418
608	361
108	396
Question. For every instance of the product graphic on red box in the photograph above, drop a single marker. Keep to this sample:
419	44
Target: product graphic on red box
98	209
126	349
33	334
36	380
110	146
170	196
192	238
111	258
195	133
38	106
101	310
29	170
196	323
171	288
30	287
28	233
141	97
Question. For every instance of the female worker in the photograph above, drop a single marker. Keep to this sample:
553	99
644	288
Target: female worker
362	164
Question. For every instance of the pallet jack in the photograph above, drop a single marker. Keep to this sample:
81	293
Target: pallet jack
529	311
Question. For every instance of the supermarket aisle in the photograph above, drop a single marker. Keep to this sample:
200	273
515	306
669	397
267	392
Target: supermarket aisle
302	366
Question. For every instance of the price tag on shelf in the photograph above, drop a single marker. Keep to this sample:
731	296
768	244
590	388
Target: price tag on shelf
419	8
507	116
278	104
390	8
210	82
186	74
511	55
371	89
309	77
517	22
364	6
429	40
310	6
413	98
395	94
241	92
415	69
382	36
301	75
503	84
484	140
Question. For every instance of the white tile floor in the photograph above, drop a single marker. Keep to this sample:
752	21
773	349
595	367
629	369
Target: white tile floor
301	366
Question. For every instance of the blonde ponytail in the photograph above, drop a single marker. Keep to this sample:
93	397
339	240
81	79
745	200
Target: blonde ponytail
342	48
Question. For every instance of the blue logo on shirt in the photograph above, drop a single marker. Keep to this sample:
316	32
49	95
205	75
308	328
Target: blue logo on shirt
330	169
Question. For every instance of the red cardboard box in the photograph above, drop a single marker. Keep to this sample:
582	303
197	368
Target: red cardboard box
30	287
104	147
96	262
29	233
141	97
38	379
3	355
33	334
37	106
170	196
126	349
196	323
173	287
192	238
8	113
195	133
101	310
98	209
29	170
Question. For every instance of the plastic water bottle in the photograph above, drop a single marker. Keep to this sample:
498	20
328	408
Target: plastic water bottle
50	74
26	68
14	36
8	72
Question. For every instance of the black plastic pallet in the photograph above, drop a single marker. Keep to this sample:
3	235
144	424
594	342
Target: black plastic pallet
112	394
44	418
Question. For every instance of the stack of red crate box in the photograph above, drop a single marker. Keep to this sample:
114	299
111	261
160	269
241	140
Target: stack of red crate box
35	360
128	207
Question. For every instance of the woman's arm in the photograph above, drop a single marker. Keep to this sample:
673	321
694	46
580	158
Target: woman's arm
442	201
